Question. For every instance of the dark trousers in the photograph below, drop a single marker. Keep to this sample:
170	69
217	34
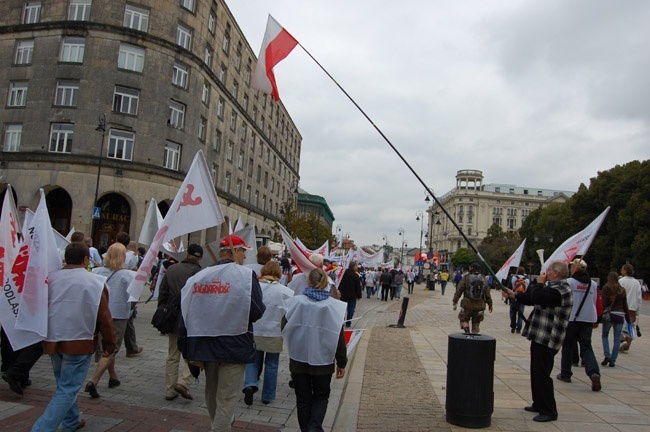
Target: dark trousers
130	343
579	332
352	305
443	286
312	395
17	364
410	285
384	292
541	383
516	314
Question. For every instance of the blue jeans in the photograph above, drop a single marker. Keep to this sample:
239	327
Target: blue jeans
351	307
312	396
578	332
270	362
618	329
398	291
516	318
70	372
369	291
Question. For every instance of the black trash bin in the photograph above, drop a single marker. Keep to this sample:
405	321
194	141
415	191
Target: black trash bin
470	380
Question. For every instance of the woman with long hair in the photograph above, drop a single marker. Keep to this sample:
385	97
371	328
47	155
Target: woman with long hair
615	298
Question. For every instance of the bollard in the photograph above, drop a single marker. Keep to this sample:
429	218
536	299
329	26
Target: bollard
402	314
470	380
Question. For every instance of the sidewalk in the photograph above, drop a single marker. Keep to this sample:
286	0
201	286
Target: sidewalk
395	381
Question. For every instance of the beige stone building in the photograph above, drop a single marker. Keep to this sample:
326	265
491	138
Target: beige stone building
137	88
475	206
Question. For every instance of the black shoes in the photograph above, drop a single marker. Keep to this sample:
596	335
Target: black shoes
92	390
595	382
14	384
113	382
565	379
531	409
606	361
248	396
544	418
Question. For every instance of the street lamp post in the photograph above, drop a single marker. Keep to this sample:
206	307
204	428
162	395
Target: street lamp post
401	233
101	126
420	217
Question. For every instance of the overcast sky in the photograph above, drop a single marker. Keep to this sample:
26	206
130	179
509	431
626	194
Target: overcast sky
542	94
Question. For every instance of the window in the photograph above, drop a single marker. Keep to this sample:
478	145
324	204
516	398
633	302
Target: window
238	188
243	131
250	167
220	105
226	185
207	56
512	223
188	4
257	198
120	144
264	202
67	93
17	94
216	142
222	73
202	127
24	51
252	142
172	155
233	120
61	138
205	93
79	10
176	115
130	58
229	149
240	160
247	72
496	220
258	174
32	12
183	36
136	18
248	194
266	179
225	45
214	171
238	57
254	114
13	134
72	50
245	103
212	20
235	89
179	75
125	100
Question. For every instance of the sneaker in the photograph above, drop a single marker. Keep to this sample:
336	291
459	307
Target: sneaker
135	353
562	378
248	396
595	382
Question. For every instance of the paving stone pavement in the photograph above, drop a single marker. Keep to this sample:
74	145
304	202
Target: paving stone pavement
395	381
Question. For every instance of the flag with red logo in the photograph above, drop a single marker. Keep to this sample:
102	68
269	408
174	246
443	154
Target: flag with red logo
43	258
513	261
578	244
276	45
297	255
194	208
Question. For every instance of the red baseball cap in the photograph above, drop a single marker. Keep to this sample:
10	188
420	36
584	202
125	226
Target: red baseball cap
237	242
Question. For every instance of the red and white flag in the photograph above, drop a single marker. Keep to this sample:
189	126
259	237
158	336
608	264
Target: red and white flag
276	45
43	258
152	222
578	244
513	261
297	255
194	208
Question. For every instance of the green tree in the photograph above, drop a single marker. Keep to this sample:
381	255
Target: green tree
498	246
463	258
308	227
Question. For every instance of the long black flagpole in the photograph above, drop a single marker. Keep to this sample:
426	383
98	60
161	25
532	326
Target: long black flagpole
429	191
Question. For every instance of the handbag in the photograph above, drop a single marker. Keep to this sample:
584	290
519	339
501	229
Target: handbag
630	330
165	318
606	316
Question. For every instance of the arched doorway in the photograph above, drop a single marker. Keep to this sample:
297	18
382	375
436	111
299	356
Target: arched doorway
59	206
115	217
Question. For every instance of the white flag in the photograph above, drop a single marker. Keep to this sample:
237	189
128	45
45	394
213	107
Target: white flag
239	225
578	244
43	259
298	257
69	236
194	208
513	261
152	222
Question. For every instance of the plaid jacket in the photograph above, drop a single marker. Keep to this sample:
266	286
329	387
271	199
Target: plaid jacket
547	324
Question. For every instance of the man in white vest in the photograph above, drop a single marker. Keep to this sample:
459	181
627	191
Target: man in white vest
219	305
78	304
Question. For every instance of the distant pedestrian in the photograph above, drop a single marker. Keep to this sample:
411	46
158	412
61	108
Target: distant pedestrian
386	280
634	300
350	289
476	295
615	302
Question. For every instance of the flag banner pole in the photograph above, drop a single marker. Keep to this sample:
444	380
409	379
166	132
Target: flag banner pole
417	176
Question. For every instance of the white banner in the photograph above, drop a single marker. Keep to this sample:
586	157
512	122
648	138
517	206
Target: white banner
513	261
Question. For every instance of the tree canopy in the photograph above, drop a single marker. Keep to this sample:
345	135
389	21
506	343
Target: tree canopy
308	227
463	258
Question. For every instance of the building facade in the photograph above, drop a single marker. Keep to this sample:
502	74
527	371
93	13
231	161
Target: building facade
308	203
475	207
108	101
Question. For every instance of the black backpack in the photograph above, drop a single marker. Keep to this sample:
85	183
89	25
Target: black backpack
476	287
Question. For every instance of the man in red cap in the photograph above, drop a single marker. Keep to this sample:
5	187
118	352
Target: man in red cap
219	305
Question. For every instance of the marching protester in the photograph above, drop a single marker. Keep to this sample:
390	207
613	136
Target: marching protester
117	280
552	300
634	300
519	283
350	289
476	295
268	335
615	314
230	295
314	316
78	304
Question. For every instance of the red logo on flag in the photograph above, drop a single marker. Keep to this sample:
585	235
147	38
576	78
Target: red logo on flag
187	198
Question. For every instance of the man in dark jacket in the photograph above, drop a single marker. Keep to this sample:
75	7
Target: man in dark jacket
170	295
351	291
385	280
219	306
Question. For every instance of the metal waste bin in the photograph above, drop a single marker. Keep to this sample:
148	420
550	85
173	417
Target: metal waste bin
470	380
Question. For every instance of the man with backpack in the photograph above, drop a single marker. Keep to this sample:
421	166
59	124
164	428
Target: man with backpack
476	295
519	284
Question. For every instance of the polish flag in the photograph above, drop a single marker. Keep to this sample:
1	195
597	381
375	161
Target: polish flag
277	44
43	258
194	208
513	261
578	244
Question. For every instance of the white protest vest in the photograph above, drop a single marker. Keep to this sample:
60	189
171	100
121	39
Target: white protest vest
118	297
276	297
217	300
74	296
298	284
313	328
579	290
